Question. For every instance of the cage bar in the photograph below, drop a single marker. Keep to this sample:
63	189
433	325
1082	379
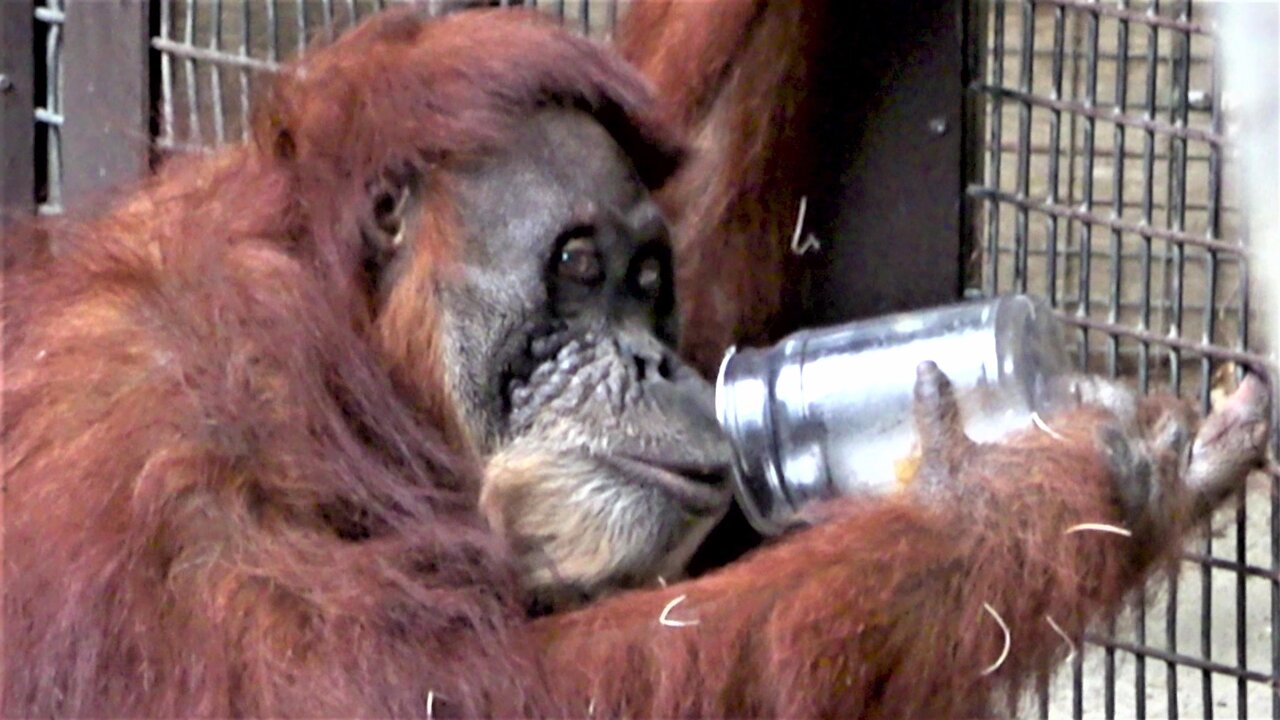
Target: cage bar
48	113
1118	209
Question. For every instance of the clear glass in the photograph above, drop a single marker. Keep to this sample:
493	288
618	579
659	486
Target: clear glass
828	412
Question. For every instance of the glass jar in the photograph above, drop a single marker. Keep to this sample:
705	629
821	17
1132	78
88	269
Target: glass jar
828	412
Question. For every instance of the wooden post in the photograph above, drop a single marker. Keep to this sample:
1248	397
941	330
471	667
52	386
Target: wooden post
17	111
107	101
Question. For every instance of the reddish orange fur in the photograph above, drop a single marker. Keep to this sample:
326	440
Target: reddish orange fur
878	611
230	488
228	491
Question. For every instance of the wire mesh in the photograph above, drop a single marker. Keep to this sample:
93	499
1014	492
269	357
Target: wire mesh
1106	186
49	17
210	52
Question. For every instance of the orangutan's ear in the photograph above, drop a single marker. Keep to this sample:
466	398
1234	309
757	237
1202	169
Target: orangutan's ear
386	226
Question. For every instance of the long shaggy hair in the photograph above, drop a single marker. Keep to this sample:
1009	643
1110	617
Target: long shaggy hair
231	488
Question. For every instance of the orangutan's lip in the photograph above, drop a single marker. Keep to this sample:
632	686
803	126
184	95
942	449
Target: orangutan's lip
702	488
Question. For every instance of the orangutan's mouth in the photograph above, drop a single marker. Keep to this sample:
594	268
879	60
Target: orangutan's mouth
702	488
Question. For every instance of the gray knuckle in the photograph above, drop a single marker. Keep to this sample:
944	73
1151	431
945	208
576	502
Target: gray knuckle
1173	436
1117	447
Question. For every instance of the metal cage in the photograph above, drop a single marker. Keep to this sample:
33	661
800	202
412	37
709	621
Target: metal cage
210	50
1099	175
48	114
1105	185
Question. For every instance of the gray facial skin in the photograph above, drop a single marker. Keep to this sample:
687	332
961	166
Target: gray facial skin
606	466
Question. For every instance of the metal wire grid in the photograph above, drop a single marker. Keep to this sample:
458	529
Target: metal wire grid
210	51
1105	187
49	16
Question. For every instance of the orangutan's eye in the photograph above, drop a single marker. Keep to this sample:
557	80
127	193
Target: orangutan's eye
578	260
